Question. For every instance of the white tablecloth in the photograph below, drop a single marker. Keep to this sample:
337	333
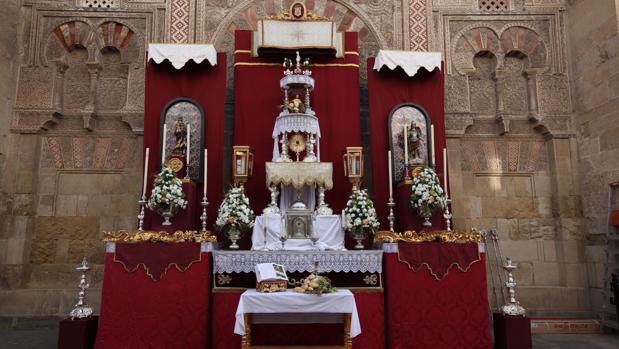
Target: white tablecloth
342	301
179	54
328	228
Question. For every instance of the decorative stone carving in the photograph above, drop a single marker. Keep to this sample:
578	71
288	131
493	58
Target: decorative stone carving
497	156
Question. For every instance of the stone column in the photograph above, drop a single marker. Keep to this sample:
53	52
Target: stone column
531	76
58	96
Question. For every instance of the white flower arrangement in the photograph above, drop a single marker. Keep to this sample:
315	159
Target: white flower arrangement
427	194
235	210
360	212
167	190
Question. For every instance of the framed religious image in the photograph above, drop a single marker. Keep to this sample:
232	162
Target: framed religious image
419	148
297	10
183	112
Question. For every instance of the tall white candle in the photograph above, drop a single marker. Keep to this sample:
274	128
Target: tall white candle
205	172
432	142
445	175
145	172
390	174
163	144
188	148
406	148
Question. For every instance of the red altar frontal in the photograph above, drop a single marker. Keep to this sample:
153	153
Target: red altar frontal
173	295
182	279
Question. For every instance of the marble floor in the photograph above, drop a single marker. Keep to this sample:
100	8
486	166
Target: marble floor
46	339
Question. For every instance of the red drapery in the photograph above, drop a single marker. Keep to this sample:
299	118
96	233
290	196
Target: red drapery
370	307
137	312
335	100
438	258
425	313
387	89
206	85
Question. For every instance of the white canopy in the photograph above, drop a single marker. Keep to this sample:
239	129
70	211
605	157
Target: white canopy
180	54
409	61
295	35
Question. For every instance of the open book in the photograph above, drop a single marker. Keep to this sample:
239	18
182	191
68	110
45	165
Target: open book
270	271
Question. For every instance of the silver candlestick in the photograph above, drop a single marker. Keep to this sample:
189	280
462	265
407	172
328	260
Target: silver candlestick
141	215
81	310
283	157
513	307
273	207
204	205
323	209
391	217
447	214
311	155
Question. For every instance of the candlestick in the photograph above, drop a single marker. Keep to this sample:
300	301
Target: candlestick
432	142
390	174
445	172
205	167
145	172
512	308
163	144
81	310
391	217
188	148
204	204
406	148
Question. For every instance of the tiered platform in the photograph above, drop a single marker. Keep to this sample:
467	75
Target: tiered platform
171	294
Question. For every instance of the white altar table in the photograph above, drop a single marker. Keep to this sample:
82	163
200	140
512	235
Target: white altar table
328	228
319	309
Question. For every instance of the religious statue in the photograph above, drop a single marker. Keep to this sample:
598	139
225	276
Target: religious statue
415	142
296	105
180	136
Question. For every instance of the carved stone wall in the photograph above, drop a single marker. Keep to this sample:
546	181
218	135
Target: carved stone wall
512	146
595	76
528	152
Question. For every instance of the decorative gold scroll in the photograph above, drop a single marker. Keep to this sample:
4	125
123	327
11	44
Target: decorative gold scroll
440	235
162	236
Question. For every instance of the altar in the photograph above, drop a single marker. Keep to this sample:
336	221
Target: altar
396	274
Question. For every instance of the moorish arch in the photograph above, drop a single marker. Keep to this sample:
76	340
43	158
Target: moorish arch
347	16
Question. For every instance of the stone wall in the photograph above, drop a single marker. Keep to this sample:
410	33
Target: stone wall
512	151
594	46
72	108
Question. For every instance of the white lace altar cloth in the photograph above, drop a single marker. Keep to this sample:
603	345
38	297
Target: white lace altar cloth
365	261
296	35
180	54
340	302
328	229
409	61
295	122
299	174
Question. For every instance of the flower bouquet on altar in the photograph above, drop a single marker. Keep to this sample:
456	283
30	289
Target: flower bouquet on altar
427	194
234	216
167	196
359	216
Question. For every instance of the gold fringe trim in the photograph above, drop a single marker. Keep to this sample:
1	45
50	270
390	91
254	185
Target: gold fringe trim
242	51
351	53
312	65
464	270
123	236
165	271
441	236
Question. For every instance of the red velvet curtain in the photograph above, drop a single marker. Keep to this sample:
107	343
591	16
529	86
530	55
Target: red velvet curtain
335	100
206	85
386	89
423	312
137	312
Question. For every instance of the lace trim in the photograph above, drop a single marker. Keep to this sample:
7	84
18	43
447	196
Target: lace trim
299	261
300	174
296	123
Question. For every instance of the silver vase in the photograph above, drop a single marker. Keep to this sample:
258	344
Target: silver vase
426	213
359	233
234	234
166	212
